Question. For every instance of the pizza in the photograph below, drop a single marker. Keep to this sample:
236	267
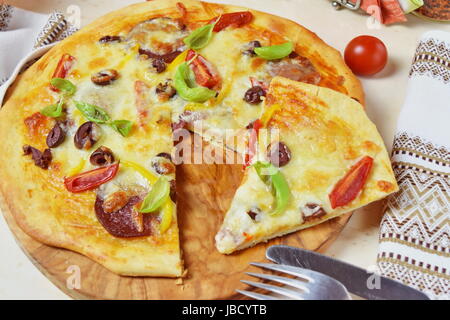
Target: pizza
90	131
311	168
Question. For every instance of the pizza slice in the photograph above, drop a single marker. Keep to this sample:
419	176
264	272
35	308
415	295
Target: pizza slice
318	156
94	153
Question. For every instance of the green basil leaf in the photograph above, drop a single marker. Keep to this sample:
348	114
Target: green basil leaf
122	126
54	110
189	75
275	52
64	86
157	196
200	37
92	113
185	87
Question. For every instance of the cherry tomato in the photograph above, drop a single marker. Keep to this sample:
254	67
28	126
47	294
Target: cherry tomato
91	179
253	139
205	73
348	188
366	55
237	19
65	63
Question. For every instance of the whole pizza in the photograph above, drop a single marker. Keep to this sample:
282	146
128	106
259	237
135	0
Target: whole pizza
90	132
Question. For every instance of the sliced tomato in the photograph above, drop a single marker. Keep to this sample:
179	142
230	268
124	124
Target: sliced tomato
236	19
252	142
205	74
91	179
65	63
348	188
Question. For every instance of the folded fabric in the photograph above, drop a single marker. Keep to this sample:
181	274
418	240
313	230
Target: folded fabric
385	11
415	231
21	31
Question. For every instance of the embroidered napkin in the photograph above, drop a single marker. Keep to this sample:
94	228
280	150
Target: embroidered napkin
22	31
415	231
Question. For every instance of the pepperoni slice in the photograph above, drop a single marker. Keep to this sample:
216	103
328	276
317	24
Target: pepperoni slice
159	38
123	223
297	69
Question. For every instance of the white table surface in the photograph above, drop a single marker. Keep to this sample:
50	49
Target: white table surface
358	243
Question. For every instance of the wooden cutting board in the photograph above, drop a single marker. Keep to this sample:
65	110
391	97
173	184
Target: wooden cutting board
204	194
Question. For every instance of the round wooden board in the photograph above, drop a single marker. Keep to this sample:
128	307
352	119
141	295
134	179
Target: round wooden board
204	194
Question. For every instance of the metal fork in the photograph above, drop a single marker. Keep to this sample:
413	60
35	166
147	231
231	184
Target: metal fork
309	285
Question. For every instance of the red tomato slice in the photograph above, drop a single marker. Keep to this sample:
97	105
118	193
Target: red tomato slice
91	179
252	142
205	73
348	188
237	19
65	63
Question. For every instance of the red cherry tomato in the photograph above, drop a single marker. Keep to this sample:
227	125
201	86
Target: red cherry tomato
237	19
366	55
91	179
205	74
65	63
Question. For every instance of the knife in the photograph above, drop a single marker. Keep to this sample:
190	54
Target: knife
355	279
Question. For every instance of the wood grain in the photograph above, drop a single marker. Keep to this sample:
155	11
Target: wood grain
204	194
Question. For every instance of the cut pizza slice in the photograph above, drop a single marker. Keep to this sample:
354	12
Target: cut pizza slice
319	157
107	190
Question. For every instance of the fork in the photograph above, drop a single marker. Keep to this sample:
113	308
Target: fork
308	285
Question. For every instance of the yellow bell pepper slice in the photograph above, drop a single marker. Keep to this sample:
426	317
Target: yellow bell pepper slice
193	106
178	60
77	169
166	216
144	172
166	210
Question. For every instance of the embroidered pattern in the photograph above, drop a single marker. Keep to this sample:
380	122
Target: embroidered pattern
417	220
5	16
432	58
56	28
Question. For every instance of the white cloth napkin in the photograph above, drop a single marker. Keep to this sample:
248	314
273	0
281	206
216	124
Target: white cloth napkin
21	32
415	231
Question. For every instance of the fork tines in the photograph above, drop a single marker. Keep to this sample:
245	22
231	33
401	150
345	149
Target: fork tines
283	291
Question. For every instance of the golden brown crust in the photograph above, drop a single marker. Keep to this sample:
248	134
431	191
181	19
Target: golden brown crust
38	202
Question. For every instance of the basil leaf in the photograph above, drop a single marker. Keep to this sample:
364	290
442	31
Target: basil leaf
64	86
92	113
184	86
275	52
54	110
200	37
122	126
189	75
157	196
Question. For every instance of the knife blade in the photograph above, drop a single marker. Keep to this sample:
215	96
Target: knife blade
355	279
